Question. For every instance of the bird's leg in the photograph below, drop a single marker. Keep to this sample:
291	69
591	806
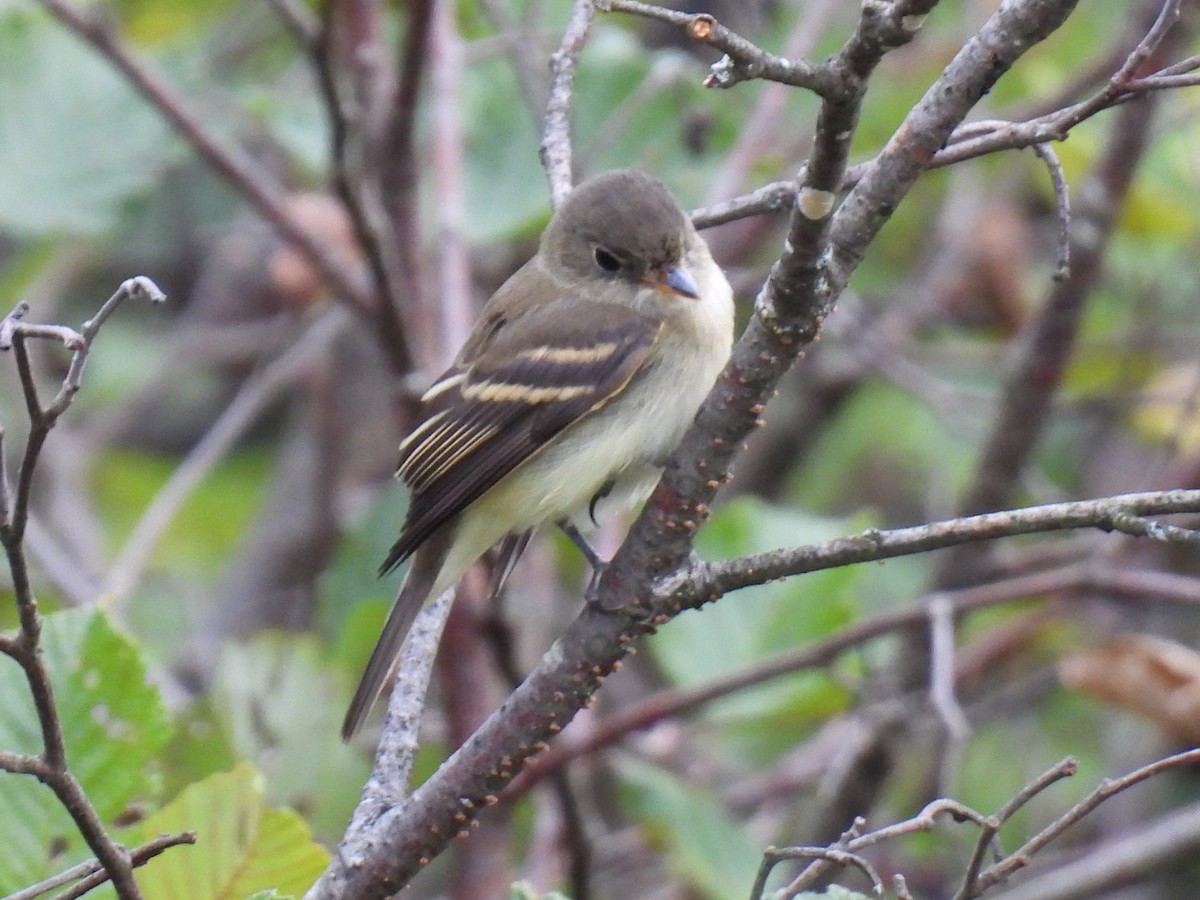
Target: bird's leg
589	553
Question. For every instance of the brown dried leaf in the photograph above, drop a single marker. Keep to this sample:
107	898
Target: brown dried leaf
1153	676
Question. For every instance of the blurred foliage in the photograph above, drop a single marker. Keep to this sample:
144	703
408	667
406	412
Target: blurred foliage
244	846
95	186
114	727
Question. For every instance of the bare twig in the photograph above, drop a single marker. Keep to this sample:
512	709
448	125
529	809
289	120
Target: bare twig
941	680
1062	203
394	156
1035	378
90	874
976	139
1141	852
854	840
352	33
763	128
556	134
743	60
977	880
51	767
709	580
1019	859
835	856
1139	526
456	312
991	827
383	796
298	20
1084	578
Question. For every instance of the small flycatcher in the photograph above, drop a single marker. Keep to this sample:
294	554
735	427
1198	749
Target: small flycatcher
573	390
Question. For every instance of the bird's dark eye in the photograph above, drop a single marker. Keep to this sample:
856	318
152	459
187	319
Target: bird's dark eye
606	260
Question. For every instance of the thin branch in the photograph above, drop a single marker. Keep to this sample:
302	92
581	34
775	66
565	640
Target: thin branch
710	580
93	874
975	882
853	840
977	139
766	124
5	489
1138	526
1047	345
456	312
51	768
1066	768
1081	578
1143	851
941	681
1021	858
19	763
555	150
1062	205
835	856
384	793
298	20
394	156
743	60
348	118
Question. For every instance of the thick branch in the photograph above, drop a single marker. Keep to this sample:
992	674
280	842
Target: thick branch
790	306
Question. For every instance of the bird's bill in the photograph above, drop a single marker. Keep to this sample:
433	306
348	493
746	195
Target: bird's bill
675	279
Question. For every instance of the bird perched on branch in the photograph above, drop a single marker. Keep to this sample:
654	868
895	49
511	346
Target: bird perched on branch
572	391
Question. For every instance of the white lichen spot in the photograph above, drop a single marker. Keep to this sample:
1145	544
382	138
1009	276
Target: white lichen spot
721	73
114	729
912	23
815	204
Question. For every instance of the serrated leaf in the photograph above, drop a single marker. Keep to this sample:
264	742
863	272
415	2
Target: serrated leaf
243	846
113	721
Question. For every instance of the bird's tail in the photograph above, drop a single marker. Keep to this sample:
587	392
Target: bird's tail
423	573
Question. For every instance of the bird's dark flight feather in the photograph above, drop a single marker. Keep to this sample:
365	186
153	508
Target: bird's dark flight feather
502	406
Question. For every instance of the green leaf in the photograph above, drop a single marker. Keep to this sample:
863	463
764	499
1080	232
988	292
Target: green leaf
353	576
756	623
703	845
264	693
243	845
59	97
881	449
114	724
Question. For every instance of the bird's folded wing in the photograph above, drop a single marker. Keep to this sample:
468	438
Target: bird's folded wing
489	414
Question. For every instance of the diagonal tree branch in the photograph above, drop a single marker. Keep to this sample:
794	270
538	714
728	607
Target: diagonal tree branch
820	253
